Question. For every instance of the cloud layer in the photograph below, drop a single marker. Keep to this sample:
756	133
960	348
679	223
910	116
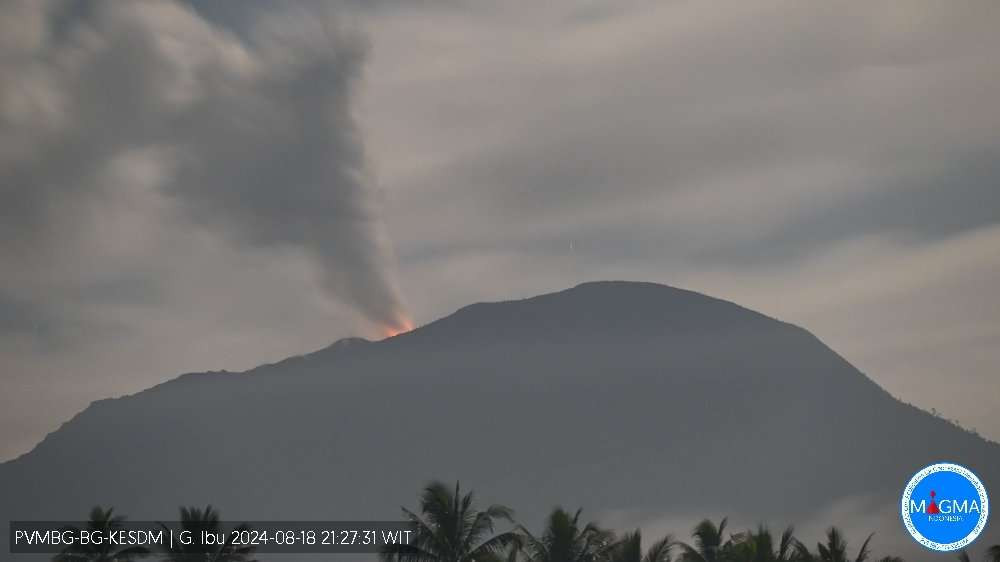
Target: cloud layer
184	186
834	166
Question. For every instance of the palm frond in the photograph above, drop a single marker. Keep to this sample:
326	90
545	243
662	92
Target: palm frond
660	550
864	552
786	546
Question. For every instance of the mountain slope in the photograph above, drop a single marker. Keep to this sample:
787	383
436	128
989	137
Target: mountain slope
614	396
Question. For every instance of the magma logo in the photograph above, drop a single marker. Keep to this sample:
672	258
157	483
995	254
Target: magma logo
945	507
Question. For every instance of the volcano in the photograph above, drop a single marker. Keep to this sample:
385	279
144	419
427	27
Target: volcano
637	401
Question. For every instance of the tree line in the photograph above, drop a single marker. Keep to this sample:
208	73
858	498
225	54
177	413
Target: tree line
449	527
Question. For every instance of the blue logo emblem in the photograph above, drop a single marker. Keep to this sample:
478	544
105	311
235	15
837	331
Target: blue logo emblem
945	507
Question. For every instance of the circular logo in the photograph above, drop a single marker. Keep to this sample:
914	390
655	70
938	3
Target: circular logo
945	507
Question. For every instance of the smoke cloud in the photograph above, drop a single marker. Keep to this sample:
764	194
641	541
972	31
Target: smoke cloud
250	136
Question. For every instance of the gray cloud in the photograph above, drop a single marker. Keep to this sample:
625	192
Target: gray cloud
252	138
680	118
833	166
16	317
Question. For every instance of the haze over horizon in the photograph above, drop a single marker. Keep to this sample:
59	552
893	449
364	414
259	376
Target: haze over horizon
191	185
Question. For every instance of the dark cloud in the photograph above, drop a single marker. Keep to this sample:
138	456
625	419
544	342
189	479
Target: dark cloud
26	325
717	132
17	317
253	138
960	197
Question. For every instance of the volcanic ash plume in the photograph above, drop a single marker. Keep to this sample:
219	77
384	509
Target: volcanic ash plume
249	135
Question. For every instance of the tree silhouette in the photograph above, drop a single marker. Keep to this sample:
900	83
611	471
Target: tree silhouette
709	545
629	549
105	521
196	521
759	546
450	529
834	550
563	540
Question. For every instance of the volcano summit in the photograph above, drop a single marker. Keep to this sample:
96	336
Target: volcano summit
633	399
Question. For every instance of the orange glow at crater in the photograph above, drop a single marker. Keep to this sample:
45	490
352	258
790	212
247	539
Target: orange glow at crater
391	331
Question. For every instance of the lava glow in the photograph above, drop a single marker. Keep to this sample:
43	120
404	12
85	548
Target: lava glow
391	331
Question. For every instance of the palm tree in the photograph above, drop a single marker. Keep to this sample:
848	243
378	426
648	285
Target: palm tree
835	549
450	529
758	546
709	545
104	521
563	540
195	521
629	549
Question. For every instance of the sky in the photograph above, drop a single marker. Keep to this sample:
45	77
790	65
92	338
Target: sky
191	186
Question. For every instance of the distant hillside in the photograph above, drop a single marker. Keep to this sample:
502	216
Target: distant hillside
619	397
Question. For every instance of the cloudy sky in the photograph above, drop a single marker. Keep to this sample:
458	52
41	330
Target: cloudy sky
189	186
